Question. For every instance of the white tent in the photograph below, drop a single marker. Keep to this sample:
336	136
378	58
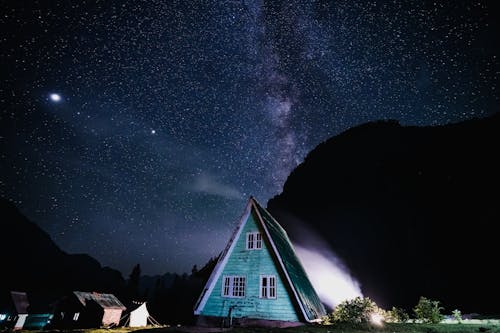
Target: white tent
140	317
21	319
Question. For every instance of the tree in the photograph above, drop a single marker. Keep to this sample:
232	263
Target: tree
428	311
206	270
133	282
360	310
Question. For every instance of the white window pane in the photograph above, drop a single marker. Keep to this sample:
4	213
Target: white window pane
242	287
272	287
250	241
254	241
227	286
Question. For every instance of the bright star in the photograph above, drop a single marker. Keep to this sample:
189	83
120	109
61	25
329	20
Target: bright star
153	132
55	97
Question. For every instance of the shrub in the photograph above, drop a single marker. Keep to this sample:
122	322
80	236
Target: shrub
397	315
457	315
326	320
360	310
428	311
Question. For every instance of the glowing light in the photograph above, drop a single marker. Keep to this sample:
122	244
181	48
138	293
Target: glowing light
153	132
377	319
55	97
327	275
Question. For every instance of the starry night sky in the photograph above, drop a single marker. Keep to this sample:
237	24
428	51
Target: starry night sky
172	113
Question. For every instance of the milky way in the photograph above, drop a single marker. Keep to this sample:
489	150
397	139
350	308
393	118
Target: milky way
171	113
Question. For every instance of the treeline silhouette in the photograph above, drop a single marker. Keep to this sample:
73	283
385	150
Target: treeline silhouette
171	298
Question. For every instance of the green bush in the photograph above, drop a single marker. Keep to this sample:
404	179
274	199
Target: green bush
428	311
457	315
355	311
397	315
326	320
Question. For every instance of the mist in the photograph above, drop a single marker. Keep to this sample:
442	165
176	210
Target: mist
329	277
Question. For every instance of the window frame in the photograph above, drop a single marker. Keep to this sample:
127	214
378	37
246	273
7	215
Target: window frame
268	287
256	241
231	286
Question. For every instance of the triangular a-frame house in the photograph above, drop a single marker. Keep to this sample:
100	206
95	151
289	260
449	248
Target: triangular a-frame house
258	278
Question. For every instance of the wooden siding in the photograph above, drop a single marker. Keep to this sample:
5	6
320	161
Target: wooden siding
251	264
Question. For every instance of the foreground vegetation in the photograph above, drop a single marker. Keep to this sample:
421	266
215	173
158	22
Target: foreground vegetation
391	327
358	315
463	327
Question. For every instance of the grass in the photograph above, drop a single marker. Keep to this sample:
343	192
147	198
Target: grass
387	328
476	327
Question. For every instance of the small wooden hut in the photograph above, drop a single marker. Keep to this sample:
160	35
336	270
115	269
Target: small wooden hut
88	309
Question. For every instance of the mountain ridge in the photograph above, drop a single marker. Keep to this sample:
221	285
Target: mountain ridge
37	264
405	207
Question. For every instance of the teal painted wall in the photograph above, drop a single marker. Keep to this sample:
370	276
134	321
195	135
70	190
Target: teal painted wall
251	264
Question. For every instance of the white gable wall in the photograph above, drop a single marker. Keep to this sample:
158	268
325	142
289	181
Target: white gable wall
139	317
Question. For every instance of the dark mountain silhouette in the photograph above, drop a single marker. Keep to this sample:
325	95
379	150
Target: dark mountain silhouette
32	262
413	211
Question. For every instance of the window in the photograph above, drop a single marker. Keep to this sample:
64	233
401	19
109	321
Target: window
267	286
254	241
233	286
76	315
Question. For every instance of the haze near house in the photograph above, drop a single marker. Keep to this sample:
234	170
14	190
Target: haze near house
328	275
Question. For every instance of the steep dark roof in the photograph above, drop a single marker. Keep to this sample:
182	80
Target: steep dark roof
20	300
12	302
309	301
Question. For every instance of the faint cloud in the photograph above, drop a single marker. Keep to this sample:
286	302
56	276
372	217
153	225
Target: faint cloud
205	183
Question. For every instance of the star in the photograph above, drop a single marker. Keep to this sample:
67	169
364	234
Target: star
55	97
234	115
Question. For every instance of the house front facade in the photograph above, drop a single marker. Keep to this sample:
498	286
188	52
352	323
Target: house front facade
259	278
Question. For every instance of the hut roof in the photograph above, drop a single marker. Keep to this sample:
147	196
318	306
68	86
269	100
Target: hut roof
106	301
20	300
